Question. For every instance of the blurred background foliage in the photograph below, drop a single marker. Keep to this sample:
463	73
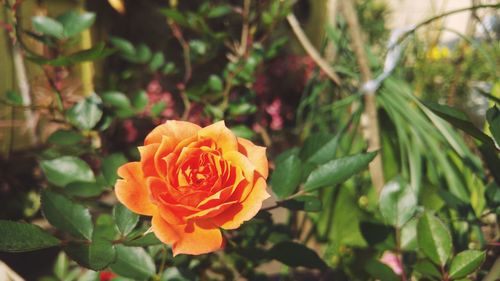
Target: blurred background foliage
82	83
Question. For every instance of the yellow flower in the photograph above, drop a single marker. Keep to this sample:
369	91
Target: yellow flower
438	53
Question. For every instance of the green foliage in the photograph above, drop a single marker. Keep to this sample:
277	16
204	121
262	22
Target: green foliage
133	262
465	263
287	176
397	203
86	113
434	239
67	169
216	60
67	215
22	237
295	254
338	170
125	219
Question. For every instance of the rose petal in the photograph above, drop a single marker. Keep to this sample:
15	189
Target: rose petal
147	153
166	147
165	232
241	161
178	130
233	217
214	211
256	154
221	135
197	239
131	191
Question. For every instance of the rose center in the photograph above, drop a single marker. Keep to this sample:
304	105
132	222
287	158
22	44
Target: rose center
198	171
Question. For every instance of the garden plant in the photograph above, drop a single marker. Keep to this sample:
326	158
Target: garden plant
247	140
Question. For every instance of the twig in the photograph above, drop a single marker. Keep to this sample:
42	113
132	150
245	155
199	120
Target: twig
20	70
311	51
370	117
494	272
176	31
245	28
438	17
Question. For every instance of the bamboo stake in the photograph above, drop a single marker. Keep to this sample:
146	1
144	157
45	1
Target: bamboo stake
369	122
87	68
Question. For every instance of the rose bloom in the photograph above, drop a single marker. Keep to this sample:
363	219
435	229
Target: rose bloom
194	181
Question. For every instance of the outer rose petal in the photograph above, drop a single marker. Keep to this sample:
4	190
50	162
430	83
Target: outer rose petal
233	217
132	191
197	240
193	239
177	130
147	153
221	135
256	154
166	232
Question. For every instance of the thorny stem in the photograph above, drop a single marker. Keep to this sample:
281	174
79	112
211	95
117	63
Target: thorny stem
163	262
53	85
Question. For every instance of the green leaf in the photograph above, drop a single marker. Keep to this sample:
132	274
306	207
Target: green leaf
75	22
380	271
219	11
61	266
375	233
458	120
84	189
143	53
157	61
110	165
133	262
24	237
434	239
65	137
14	98
295	254
116	99
215	83
48	26
124	46
149	239
100	252
140	100
64	170
59	61
178	274
493	117
243	131
67	215
168	68
158	108
338	171
306	203
86	113
97	52
125	219
286	177
398	203
96	255
325	152
466	263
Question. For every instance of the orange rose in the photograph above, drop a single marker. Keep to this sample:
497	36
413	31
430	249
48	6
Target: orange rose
193	181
